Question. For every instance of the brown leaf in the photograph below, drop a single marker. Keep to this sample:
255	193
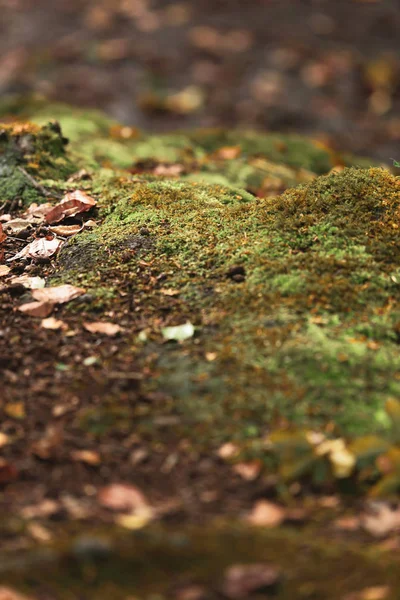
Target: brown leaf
228	450
15	410
36	213
241	581
37	309
4	270
15	226
7	593
45	508
248	470
266	514
2	234
381	520
53	323
40	248
109	329
122	497
58	294
378	592
66	230
86	456
72	204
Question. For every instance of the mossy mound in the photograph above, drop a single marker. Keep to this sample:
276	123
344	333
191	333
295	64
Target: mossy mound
295	296
28	151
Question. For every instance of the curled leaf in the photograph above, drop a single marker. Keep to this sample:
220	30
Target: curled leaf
72	204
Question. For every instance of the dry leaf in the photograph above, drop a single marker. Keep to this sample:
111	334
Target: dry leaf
169	292
86	456
240	581
37	212
37	309
53	323
348	523
2	234
381	520
122	497
4	439
110	329
15	410
228	450
31	283
248	470
15	226
137	520
378	592
266	514
40	248
4	270
58	294
7	593
66	230
45	508
72	204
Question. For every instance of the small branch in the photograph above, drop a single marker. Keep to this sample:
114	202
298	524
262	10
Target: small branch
37	185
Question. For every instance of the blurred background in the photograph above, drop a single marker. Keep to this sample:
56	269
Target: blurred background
328	68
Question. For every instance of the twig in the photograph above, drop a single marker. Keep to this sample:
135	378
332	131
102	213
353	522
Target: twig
37	185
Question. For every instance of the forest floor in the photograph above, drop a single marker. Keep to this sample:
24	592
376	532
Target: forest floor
120	480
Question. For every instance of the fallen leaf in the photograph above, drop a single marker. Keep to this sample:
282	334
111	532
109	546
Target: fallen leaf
37	309
381	520
178	333
7	593
379	592
72	204
38	532
348	523
228	450
248	470
58	294
240	581
4	439
266	514
31	283
40	248
15	410
110	329
135	521
86	456
53	323
15	226
169	292
2	234
4	270
45	508
66	230
122	497
37	212
342	460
